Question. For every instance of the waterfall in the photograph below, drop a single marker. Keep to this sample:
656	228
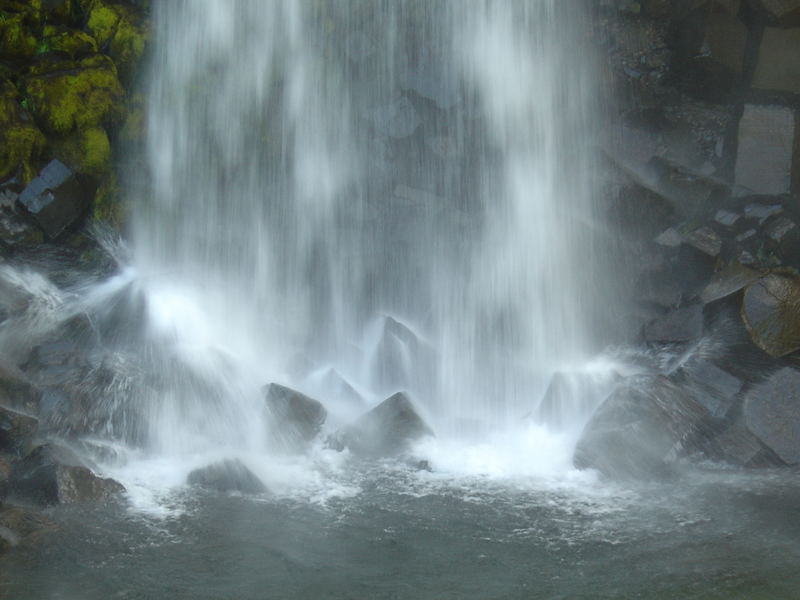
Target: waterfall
355	198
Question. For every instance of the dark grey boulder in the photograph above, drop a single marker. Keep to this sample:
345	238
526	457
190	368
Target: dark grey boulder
386	430
19	524
53	474
680	325
641	430
16	430
16	228
737	445
229	475
294	418
568	395
771	312
733	278
778	67
56	198
764	156
712	387
772	412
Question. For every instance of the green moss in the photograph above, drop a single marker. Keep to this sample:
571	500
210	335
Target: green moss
107	204
16	39
120	30
95	150
71	42
20	145
79	98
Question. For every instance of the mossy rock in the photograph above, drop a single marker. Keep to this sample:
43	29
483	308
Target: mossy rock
16	37
20	144
70	42
133	127
120	31
108	205
87	151
84	96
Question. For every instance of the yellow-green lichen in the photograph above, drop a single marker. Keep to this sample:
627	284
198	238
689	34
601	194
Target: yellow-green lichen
16	38
119	30
71	42
79	98
20	144
108	207
95	150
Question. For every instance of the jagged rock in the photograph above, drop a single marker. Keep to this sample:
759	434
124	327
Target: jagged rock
766	144
295	419
16	430
772	413
52	474
641	430
16	228
706	240
727	218
712	387
386	430
779	228
17	393
737	445
229	475
778	67
568	396
783	12
771	311
710	47
56	198
335	386
679	325
761	212
731	279
121	31
400	357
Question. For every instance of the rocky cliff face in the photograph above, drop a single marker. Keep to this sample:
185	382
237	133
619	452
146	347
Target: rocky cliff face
704	151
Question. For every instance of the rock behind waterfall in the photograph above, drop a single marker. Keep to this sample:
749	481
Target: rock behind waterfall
229	475
642	429
52	474
294	418
386	430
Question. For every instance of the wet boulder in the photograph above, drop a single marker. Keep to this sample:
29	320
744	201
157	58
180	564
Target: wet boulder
772	412
53	474
400	357
680	325
569	397
386	430
56	198
766	141
731	279
641	430
785	13
778	67
16	430
771	312
294	418
737	445
712	387
229	475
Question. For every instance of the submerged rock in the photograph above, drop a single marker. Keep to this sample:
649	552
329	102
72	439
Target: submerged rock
641	430
771	312
52	474
772	413
295	419
229	475
19	525
386	430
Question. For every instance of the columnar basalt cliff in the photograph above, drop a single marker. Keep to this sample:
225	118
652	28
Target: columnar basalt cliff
705	157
